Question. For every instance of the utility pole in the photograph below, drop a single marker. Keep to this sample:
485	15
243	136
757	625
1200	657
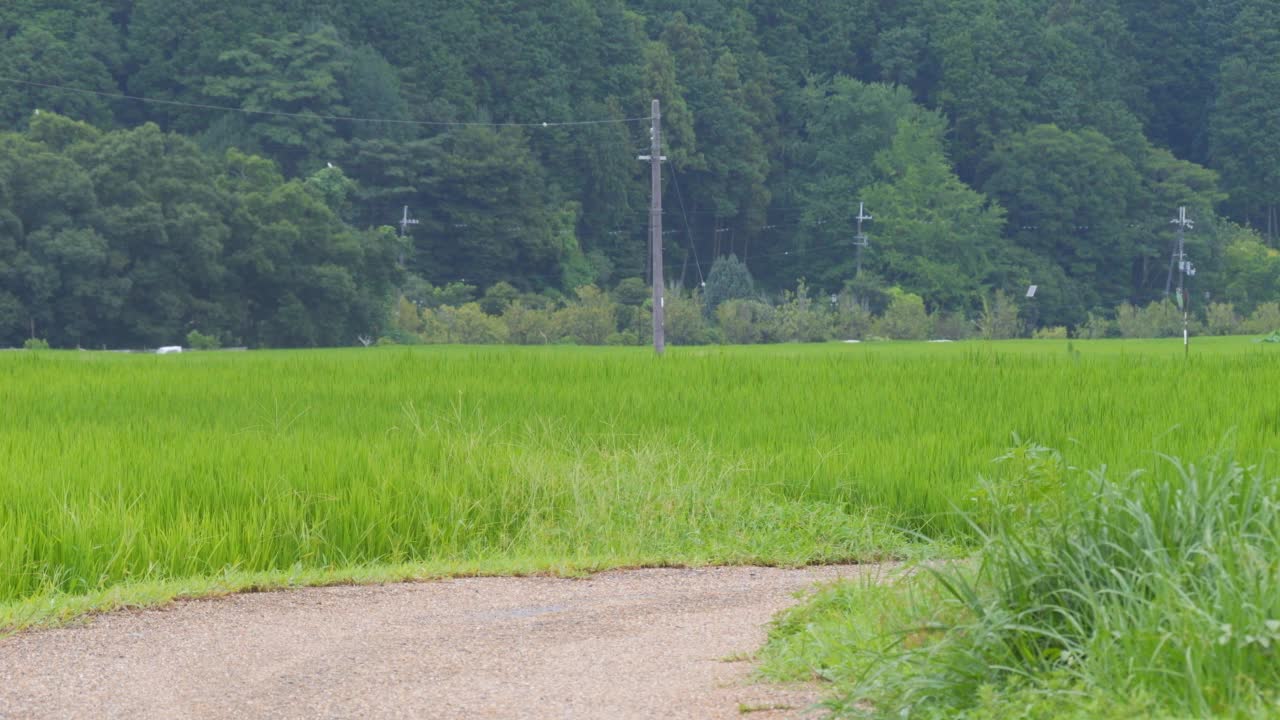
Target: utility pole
655	159
860	240
1185	269
405	222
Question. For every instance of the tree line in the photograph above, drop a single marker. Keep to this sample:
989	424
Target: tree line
997	143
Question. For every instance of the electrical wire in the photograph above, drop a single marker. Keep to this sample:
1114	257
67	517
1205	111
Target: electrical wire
688	231
316	116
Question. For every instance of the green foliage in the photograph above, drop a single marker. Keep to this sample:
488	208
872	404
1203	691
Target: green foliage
1159	319
530	325
999	319
1057	332
778	120
686	321
1265	318
498	298
591	320
729	279
746	322
1167	566
197	340
906	318
35	344
1221	319
801	318
468	325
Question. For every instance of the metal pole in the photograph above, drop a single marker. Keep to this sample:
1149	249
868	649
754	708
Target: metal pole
655	230
1183	223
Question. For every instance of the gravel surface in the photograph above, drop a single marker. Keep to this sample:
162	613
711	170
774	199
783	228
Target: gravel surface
663	643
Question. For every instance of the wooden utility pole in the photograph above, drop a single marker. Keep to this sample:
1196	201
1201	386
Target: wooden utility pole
655	159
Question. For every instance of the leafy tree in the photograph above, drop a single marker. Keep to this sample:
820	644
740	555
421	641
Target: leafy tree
935	235
729	279
1069	197
1244	129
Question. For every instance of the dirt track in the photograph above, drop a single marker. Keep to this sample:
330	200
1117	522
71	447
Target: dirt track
635	644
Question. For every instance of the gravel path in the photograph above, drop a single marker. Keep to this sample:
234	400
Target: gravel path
630	644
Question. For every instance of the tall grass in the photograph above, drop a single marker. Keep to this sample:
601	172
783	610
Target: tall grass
129	469
1153	595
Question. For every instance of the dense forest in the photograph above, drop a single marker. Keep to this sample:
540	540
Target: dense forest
239	169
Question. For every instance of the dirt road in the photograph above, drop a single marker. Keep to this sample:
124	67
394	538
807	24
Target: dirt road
633	644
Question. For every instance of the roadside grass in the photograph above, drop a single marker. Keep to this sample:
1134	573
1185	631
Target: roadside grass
134	477
1150	595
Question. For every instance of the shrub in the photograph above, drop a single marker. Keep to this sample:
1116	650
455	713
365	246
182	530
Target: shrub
1057	332
905	318
999	318
1096	327
686	324
1221	319
467	325
529	326
591	320
746	322
951	326
1265	319
197	340
35	344
632	292
800	319
1157	320
729	279
498	297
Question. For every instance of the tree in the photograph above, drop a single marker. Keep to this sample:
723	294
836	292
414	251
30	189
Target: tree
934	235
1069	196
298	75
729	279
1244	130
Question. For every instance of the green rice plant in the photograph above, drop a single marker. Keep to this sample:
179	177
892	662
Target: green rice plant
121	471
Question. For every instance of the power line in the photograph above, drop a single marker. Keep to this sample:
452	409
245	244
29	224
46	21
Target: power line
689	232
315	116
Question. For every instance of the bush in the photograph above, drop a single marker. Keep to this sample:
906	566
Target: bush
853	318
529	326
800	319
999	318
632	292
686	324
905	318
746	322
1096	328
1265	319
729	279
1157	320
951	326
1057	332
498	297
197	340
35	344
591	320
467	325
1221	319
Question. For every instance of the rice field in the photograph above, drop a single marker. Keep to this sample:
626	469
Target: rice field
210	471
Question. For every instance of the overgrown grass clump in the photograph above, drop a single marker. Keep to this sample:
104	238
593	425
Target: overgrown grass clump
120	472
1153	595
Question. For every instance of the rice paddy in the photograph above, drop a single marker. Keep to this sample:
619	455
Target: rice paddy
217	470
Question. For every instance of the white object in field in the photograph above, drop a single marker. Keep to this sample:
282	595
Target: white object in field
169	350
1031	290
